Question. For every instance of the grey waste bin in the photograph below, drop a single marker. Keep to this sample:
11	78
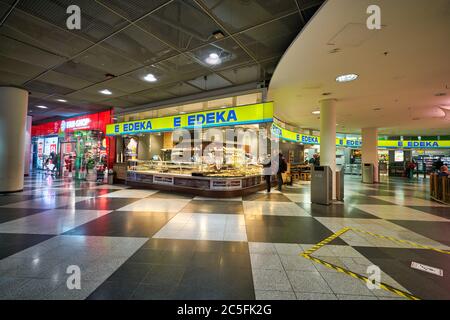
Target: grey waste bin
367	173
340	184
321	185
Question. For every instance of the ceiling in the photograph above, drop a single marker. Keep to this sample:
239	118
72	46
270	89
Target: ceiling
404	70
121	41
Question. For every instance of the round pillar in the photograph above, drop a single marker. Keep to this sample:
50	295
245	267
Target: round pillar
328	137
369	149
13	120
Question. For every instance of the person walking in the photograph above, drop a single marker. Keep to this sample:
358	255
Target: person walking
282	168
267	164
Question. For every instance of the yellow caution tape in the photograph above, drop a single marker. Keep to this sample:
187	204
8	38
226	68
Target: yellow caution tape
384	286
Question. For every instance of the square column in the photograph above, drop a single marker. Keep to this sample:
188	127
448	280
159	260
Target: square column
328	137
369	149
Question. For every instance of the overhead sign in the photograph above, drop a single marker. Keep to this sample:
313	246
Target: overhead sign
250	114
82	123
292	136
415	144
95	121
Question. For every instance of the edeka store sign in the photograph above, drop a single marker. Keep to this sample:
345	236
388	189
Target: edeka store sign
293	136
353	143
255	113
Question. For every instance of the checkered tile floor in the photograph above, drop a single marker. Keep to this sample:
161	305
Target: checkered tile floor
147	244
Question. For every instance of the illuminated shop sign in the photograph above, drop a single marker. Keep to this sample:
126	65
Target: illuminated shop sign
250	114
353	143
294	136
82	123
415	144
95	121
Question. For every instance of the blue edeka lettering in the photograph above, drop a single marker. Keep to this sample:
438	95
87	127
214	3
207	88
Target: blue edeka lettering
137	126
211	118
423	144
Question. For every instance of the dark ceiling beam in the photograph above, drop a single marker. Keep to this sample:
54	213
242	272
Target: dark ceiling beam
10	10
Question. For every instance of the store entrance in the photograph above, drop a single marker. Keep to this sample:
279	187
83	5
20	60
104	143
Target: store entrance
84	156
67	156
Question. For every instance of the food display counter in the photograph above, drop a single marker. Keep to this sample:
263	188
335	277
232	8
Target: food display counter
199	179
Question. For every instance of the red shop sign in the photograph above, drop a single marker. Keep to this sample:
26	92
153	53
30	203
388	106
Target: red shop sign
95	121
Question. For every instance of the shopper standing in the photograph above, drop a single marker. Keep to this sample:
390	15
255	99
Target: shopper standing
266	165
282	168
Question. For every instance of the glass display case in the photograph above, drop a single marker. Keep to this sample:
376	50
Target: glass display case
194	169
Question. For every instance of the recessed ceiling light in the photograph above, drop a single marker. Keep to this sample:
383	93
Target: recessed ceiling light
347	77
150	78
61	100
182	112
327	94
218	35
213	59
376	109
42	107
440	94
105	91
316	112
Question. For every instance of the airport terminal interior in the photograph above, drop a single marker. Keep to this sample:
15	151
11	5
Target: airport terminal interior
224	150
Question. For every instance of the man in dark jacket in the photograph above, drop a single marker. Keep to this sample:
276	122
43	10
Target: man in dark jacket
282	168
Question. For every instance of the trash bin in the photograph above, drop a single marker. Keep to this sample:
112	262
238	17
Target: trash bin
111	175
368	173
321	185
340	184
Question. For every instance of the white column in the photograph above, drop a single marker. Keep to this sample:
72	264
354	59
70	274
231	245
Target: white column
369	149
13	119
328	137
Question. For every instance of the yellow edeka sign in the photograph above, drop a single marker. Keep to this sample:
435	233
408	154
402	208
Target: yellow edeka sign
250	114
352	143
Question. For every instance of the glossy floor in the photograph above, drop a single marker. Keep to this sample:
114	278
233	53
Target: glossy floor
146	244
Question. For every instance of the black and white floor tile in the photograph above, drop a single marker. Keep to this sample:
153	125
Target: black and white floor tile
148	244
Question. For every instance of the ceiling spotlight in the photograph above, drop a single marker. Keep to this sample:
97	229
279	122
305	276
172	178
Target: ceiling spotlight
218	35
150	78
213	59
105	91
347	77
42	107
316	112
61	100
182	112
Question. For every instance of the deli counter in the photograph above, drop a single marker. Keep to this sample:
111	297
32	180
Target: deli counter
200	179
